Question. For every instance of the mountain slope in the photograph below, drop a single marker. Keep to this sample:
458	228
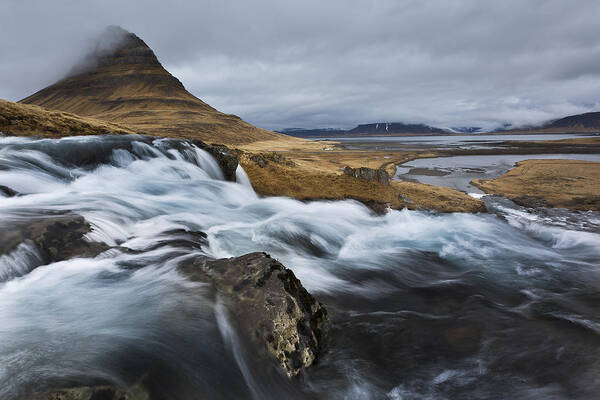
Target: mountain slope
580	122
122	81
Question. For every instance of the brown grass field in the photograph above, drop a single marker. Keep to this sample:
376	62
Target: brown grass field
563	183
280	179
28	120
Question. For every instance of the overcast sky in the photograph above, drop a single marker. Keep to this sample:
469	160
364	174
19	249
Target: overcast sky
330	63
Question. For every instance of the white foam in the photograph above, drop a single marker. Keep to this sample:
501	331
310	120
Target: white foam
476	195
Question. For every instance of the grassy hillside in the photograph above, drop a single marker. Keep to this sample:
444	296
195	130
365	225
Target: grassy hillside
559	183
28	120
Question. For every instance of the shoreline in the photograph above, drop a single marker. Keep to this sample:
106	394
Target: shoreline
323	167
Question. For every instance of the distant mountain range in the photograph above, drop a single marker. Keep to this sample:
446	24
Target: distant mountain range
378	129
580	123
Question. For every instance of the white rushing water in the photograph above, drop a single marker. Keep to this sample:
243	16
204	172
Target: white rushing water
74	320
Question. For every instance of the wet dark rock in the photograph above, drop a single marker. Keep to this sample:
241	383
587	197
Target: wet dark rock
94	393
181	238
58	237
87	154
369	174
7	192
226	160
532	201
270	305
92	153
377	207
223	155
586	201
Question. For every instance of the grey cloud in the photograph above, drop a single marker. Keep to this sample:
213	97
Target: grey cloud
336	63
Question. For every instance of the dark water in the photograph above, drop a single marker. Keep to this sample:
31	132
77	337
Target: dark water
458	171
504	305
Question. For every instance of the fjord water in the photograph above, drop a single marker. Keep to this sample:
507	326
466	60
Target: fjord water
446	141
457	172
422	305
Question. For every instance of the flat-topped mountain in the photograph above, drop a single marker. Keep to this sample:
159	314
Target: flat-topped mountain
391	128
122	81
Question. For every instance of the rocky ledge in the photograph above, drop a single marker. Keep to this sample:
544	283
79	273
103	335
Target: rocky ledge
369	174
268	303
223	156
57	237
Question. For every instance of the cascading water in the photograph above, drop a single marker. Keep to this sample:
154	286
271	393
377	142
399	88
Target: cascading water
422	305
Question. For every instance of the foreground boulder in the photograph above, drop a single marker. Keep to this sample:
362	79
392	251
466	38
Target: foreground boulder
270	304
369	174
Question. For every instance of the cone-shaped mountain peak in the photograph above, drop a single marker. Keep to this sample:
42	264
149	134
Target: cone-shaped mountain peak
121	80
116	46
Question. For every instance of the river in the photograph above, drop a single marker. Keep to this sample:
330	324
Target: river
422	305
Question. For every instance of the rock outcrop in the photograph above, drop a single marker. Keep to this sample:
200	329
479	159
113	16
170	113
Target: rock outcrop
263	159
57	237
369	174
259	160
269	304
226	160
223	155
531	201
94	393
